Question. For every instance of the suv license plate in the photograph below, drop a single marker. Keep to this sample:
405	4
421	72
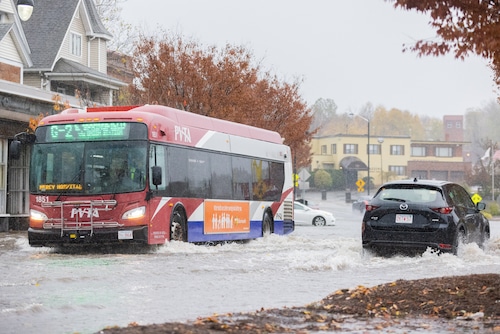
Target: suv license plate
404	219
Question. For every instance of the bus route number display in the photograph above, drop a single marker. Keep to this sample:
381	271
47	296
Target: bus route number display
88	132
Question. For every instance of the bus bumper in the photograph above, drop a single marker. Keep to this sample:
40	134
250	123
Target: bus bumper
53	237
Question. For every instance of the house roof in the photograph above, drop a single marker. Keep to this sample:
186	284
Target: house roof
96	24
65	69
28	92
47	27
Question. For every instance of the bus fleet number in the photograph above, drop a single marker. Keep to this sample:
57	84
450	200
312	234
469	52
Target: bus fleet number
41	199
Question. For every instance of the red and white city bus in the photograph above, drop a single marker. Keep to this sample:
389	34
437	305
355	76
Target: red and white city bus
150	174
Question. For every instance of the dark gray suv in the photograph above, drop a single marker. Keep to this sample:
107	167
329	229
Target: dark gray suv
412	215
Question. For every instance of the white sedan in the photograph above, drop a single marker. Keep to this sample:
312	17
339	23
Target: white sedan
306	215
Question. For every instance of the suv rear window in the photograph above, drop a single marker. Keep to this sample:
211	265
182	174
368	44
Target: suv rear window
418	195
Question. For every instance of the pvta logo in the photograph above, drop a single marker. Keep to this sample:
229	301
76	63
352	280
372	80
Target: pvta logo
182	134
84	212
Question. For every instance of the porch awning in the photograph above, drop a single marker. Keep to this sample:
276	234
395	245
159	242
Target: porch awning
352	163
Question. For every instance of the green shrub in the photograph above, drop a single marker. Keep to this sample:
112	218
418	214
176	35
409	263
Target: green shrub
322	179
338	179
493	208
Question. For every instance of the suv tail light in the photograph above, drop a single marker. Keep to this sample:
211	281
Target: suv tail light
370	207
445	210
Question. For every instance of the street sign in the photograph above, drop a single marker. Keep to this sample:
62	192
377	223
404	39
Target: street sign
360	183
476	198
304	174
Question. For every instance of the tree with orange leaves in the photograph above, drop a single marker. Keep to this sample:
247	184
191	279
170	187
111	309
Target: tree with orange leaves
223	83
464	27
59	105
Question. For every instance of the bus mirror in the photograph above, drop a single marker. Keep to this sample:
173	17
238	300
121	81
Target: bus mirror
25	138
156	175
15	149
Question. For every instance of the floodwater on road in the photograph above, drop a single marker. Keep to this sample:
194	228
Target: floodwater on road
45	290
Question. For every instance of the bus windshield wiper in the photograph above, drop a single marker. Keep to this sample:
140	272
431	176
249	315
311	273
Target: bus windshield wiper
64	191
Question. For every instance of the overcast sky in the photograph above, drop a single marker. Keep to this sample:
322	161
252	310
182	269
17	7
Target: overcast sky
344	50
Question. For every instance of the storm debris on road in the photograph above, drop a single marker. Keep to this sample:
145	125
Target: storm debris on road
446	297
458	301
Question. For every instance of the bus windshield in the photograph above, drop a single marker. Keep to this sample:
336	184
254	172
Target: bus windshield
88	167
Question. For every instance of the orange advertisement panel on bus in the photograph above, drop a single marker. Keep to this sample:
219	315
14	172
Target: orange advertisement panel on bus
227	217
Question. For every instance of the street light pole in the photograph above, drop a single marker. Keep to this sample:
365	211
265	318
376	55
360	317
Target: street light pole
368	149
381	141
369	180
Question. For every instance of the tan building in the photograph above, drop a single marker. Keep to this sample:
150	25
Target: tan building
388	156
393	157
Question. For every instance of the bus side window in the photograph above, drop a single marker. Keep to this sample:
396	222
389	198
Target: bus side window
242	178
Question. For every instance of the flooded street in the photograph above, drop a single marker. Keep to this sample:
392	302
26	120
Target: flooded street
46	291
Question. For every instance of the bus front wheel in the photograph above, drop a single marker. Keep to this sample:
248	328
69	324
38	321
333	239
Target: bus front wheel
178	231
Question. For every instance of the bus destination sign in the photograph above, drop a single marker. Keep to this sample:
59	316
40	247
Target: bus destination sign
88	132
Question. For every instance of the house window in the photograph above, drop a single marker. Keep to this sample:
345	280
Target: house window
374	149
458	125
444	152
76	44
449	125
457	176
398	170
323	149
419	174
418	151
327	165
350	148
397	150
439	175
334	148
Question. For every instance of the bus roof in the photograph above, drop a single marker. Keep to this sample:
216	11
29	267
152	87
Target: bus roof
186	118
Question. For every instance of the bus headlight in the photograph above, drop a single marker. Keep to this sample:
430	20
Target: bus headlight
38	216
135	213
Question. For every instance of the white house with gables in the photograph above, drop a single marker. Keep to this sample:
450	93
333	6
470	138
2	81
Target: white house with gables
68	48
61	50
